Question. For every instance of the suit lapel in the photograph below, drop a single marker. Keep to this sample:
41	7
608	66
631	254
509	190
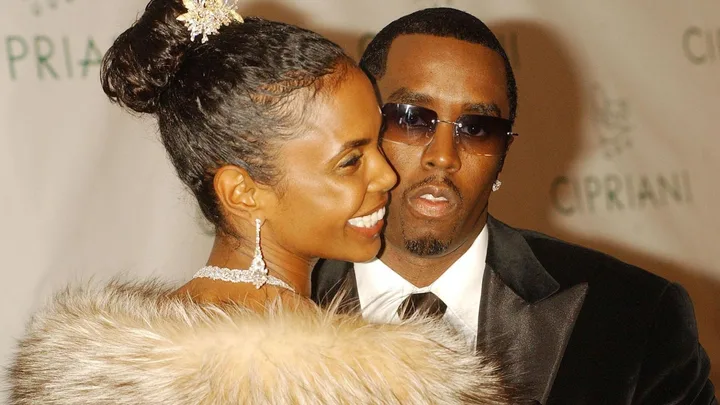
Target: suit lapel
334	284
524	311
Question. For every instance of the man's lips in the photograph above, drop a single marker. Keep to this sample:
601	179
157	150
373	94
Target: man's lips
433	201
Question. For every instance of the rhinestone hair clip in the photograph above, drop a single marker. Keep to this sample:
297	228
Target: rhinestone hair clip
207	16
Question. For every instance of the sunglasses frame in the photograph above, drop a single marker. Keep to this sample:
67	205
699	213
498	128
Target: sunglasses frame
457	125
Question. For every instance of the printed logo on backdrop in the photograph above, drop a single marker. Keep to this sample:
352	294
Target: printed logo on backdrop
607	191
38	7
701	46
612	119
45	56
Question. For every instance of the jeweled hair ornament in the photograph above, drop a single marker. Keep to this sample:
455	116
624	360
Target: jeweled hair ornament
207	16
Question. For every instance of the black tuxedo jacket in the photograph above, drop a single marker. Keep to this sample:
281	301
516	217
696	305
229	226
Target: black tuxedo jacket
575	325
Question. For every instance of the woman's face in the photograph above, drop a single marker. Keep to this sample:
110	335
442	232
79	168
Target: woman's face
335	178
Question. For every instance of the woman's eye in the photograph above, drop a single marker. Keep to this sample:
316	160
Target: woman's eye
352	161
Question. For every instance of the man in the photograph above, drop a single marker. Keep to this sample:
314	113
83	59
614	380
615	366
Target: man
578	327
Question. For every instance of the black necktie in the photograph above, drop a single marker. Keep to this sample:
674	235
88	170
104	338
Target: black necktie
424	304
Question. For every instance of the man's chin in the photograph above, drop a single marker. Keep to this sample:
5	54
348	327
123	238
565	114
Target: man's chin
427	246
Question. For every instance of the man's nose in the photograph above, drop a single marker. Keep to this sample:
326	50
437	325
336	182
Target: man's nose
442	151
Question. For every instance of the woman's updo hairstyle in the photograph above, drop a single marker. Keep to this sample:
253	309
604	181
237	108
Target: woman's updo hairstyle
228	101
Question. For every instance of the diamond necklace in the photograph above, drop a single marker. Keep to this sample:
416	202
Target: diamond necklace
255	276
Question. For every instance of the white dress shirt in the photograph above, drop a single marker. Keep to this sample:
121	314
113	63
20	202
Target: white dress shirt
381	290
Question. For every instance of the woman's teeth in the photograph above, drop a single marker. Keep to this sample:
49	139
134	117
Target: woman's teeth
432	198
368	221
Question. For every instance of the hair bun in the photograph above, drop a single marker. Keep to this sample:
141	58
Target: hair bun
143	60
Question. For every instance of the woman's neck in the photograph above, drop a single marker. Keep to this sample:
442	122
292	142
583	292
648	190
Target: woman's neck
230	253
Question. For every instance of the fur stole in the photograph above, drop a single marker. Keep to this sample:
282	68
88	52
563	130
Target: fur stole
129	343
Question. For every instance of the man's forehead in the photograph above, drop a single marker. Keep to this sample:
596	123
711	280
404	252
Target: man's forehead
422	57
432	71
407	96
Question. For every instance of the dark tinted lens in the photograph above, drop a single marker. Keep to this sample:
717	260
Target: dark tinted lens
482	134
416	118
408	124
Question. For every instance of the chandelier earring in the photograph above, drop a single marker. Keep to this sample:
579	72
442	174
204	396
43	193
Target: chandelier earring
258	269
496	185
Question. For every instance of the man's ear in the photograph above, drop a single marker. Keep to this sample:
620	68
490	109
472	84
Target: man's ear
501	164
510	140
238	194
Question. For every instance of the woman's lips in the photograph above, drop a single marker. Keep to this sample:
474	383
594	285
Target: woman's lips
369	225
372	232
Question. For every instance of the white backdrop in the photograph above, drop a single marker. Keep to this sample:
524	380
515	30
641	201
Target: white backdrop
618	149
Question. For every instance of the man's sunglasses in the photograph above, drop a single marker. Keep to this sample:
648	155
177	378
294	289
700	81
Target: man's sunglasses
482	135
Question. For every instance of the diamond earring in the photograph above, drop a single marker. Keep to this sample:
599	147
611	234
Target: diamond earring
496	185
258	270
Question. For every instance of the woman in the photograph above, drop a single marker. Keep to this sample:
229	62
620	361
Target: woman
275	131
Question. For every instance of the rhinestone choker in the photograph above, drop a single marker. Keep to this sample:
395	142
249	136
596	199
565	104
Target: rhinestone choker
255	277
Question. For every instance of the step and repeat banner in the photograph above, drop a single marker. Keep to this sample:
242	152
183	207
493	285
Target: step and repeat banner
619	147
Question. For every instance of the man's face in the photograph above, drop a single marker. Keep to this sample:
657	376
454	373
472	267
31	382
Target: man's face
440	202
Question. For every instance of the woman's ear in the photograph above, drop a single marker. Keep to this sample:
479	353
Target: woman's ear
238	193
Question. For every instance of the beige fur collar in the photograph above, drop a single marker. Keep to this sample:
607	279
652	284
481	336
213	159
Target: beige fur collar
128	343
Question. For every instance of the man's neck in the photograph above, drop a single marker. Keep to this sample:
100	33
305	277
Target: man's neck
421	271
